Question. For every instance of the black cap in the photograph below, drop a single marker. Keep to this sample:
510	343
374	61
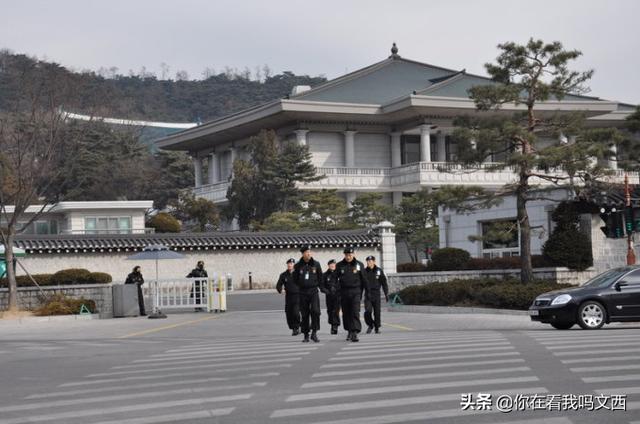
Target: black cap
332	261
371	258
304	248
291	261
348	249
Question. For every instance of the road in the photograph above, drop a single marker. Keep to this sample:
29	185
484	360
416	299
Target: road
244	367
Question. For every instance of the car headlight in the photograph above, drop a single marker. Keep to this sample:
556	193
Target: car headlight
561	300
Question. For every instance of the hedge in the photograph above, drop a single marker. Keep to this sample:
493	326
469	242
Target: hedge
65	277
486	292
475	264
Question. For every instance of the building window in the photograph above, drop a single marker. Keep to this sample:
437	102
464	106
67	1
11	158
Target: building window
107	225
500	238
410	145
41	227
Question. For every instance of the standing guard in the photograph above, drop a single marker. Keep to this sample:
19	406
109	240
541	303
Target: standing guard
199	288
375	280
307	274
291	301
331	289
352	283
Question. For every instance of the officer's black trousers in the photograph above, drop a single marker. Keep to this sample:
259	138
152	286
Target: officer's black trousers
310	310
372	315
141	300
350	300
333	308
292	310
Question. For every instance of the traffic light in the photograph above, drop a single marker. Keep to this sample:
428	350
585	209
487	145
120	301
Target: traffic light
628	220
614	224
618	224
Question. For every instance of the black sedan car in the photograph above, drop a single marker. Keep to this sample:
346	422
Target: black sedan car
611	296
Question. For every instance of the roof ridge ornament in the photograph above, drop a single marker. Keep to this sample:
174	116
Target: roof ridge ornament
394	52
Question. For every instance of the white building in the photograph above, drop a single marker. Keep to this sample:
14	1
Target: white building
112	217
383	128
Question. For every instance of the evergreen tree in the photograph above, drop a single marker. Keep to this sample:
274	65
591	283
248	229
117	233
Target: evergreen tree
527	75
568	246
367	210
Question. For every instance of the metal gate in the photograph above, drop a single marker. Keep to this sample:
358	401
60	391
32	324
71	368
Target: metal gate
208	294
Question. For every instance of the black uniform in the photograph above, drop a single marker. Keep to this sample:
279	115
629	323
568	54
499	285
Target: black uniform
375	280
199	286
136	278
307	276
352	284
291	299
331	289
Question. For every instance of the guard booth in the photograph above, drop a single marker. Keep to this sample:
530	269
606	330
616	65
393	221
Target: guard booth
17	253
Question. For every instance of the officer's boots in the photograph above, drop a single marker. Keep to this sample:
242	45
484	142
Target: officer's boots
377	330
334	329
354	337
369	329
314	336
306	338
295	332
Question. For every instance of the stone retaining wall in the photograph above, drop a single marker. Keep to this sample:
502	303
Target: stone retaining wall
560	275
30	297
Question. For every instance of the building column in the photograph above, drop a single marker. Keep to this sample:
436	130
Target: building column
396	150
213	174
301	137
442	147
197	168
397	198
613	157
350	149
425	143
232	159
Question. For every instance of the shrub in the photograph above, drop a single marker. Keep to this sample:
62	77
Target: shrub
60	304
71	276
487	292
449	259
411	267
513	262
165	223
25	281
99	278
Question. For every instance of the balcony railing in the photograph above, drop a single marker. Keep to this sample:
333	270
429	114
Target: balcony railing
409	177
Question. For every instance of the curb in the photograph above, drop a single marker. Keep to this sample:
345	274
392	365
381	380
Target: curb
52	318
428	309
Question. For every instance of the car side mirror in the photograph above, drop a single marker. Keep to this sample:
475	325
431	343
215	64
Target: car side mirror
618	286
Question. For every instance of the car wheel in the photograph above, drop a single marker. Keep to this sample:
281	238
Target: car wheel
591	315
562	325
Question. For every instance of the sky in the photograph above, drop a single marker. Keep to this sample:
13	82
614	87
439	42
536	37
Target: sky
328	37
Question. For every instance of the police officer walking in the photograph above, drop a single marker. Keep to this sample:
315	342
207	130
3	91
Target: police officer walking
352	283
198	290
291	302
307	274
375	280
331	289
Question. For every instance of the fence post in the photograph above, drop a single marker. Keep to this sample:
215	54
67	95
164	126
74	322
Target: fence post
387	246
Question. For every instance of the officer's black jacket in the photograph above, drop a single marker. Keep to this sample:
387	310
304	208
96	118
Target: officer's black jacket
286	280
197	273
307	275
351	275
134	278
375	279
329	283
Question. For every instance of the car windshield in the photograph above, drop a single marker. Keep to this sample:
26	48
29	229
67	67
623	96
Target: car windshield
606	278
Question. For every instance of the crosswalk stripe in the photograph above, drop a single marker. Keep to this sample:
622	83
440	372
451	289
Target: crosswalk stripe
383	403
570	340
251	359
225	346
155	384
119	409
429	339
598	352
360	391
248	351
425	359
367	346
141	395
208	413
415	367
578	346
627	377
606	359
226	355
634	390
423	348
421	352
351	381
606	368
159	376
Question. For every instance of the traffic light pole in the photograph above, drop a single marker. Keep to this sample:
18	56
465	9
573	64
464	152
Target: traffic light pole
631	256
